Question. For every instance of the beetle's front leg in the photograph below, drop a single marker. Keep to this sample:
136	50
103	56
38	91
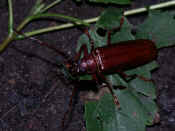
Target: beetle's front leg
116	101
84	50
90	39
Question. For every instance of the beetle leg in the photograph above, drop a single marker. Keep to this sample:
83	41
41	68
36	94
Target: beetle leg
83	49
133	77
109	38
124	76
90	39
116	101
144	78
115	29
94	77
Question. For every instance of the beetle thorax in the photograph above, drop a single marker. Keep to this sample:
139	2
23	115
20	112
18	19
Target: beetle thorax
87	65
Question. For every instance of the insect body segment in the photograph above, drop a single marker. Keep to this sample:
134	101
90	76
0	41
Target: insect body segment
126	55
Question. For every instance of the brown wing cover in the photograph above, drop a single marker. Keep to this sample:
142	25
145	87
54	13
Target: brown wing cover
125	55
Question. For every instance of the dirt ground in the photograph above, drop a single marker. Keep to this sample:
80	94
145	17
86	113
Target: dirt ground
33	93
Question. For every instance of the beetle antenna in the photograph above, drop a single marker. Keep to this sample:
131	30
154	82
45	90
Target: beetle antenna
63	65
65	55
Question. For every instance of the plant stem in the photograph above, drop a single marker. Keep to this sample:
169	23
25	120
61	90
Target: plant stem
74	20
54	15
6	42
51	5
153	7
10	24
92	20
12	36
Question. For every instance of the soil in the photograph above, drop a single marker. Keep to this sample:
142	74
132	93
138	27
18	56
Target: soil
33	92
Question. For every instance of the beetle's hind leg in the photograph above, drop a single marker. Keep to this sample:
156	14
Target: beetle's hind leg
144	78
131	77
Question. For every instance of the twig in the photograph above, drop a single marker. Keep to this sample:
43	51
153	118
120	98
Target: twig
92	20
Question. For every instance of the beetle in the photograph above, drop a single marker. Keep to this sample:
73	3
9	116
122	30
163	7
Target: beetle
109	59
112	58
115	58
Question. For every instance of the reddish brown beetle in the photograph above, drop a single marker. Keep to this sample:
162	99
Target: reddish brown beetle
112	58
116	57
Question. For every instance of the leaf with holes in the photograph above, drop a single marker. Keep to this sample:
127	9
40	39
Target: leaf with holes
134	115
159	27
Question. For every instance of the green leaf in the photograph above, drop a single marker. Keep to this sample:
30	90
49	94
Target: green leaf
159	27
123	35
144	70
132	104
151	107
95	113
122	2
103	115
147	88
110	18
116	80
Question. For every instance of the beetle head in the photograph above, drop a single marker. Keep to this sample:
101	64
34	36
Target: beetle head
77	68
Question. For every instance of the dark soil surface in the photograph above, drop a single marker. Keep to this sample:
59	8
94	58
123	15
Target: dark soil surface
34	94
